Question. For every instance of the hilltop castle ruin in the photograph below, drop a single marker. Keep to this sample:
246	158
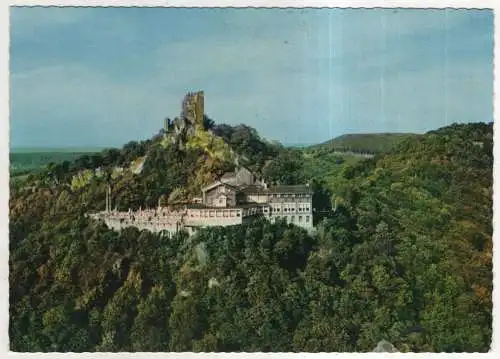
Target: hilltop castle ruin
233	199
191	118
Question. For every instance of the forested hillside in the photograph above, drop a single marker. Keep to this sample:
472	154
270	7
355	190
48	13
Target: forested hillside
364	142
405	257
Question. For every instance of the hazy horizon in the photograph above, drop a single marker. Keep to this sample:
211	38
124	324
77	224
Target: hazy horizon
101	77
91	148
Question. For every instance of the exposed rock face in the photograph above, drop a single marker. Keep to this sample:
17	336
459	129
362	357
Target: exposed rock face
384	346
184	127
193	107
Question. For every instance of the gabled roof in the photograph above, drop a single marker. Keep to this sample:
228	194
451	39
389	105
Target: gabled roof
251	189
234	175
228	175
217	184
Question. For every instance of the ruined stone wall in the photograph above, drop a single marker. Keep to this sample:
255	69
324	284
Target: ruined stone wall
118	224
193	107
213	222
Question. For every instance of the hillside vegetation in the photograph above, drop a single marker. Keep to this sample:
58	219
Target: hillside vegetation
406	257
364	143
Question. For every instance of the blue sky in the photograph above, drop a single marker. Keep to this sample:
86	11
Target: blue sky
105	76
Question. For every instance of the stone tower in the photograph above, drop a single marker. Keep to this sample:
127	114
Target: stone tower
193	107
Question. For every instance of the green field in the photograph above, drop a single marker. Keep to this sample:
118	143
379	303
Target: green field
23	160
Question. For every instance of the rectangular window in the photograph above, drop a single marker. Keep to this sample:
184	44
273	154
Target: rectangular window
307	209
293	219
300	218
307	218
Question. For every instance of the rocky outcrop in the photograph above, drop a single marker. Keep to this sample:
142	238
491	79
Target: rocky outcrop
193	108
384	346
190	120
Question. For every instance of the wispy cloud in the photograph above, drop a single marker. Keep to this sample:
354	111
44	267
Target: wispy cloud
27	20
296	75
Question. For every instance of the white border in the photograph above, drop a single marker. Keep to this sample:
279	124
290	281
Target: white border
4	177
268	3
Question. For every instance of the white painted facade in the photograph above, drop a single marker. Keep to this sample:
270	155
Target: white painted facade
223	204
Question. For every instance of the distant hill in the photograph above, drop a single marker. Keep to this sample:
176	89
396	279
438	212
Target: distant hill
26	160
56	149
367	142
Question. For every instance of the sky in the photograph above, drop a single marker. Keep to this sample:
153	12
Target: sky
97	77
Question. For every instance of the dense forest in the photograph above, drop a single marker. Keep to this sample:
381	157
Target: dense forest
372	143
405	256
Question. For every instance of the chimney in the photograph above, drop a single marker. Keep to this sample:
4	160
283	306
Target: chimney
109	200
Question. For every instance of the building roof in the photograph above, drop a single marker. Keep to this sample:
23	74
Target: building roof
250	189
219	183
228	175
254	189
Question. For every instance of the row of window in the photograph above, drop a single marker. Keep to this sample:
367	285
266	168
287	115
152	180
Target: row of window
287	195
300	209
212	214
292	218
